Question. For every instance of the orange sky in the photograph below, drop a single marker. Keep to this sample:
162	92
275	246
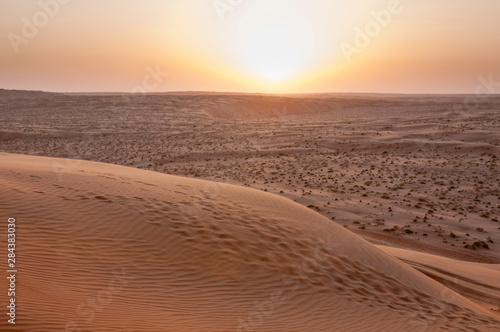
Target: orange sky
400	46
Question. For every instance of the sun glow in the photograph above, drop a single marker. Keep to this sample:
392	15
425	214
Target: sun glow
274	48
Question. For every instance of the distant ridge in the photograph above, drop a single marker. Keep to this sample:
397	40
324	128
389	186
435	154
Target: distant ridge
223	93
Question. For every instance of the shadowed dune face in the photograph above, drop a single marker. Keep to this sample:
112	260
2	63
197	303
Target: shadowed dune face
262	107
108	248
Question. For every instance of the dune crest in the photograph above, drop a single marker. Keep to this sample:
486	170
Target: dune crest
110	248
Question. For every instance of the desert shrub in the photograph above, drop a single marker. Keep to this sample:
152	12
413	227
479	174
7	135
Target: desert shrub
481	244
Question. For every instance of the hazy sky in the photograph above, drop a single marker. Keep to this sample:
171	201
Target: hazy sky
434	46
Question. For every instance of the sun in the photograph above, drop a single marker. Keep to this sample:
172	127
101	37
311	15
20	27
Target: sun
274	48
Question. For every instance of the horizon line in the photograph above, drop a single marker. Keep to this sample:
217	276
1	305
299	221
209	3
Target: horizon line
247	93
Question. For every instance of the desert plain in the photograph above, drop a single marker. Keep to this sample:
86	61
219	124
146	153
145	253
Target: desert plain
253	212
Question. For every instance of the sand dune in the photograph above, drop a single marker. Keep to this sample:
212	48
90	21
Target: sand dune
110	248
477	281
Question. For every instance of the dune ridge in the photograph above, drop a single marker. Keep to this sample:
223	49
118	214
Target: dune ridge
111	248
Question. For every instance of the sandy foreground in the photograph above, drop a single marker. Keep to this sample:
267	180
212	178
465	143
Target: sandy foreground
111	248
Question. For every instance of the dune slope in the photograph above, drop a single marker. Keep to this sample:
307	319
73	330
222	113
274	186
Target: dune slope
477	281
109	248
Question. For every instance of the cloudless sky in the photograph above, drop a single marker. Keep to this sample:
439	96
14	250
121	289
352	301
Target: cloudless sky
422	46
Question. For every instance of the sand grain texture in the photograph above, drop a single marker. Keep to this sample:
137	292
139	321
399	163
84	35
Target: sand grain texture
110	248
